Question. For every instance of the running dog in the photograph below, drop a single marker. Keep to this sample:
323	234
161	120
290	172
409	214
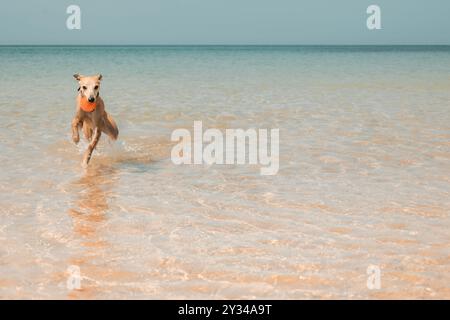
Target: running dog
90	115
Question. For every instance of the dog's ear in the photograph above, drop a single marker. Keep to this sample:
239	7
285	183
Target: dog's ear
77	76
99	77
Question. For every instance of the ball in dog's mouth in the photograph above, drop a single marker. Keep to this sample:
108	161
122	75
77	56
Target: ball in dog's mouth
86	105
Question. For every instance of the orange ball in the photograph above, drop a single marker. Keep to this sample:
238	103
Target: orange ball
86	105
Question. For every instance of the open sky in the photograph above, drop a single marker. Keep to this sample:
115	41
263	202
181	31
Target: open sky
225	22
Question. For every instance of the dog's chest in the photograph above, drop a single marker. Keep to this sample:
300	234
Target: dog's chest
92	117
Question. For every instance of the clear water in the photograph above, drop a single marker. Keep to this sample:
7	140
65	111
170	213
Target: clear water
364	174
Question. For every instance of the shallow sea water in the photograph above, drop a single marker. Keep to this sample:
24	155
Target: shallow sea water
364	174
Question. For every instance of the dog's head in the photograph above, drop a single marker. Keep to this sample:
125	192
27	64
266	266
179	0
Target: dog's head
89	86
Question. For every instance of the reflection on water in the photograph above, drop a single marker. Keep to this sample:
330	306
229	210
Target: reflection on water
88	215
363	180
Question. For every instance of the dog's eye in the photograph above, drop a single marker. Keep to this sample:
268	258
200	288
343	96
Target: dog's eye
84	88
96	87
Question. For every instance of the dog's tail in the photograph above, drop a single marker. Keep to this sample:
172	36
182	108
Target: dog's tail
110	127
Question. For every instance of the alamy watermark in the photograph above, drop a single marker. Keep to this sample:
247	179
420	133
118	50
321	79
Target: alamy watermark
74	279
240	147
374	277
374	20
73	21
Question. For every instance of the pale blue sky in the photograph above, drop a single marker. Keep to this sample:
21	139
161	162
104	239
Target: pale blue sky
225	22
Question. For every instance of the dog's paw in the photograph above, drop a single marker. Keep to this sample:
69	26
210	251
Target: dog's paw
76	139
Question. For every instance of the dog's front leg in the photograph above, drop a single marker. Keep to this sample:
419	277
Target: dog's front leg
75	128
91	147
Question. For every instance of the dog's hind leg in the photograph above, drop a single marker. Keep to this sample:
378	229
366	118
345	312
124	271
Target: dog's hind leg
91	147
110	127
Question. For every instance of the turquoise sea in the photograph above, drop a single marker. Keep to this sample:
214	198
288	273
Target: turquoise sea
364	174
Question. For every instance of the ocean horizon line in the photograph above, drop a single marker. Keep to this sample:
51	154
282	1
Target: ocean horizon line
224	45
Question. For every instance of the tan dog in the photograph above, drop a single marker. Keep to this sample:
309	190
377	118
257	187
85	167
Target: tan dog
91	115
